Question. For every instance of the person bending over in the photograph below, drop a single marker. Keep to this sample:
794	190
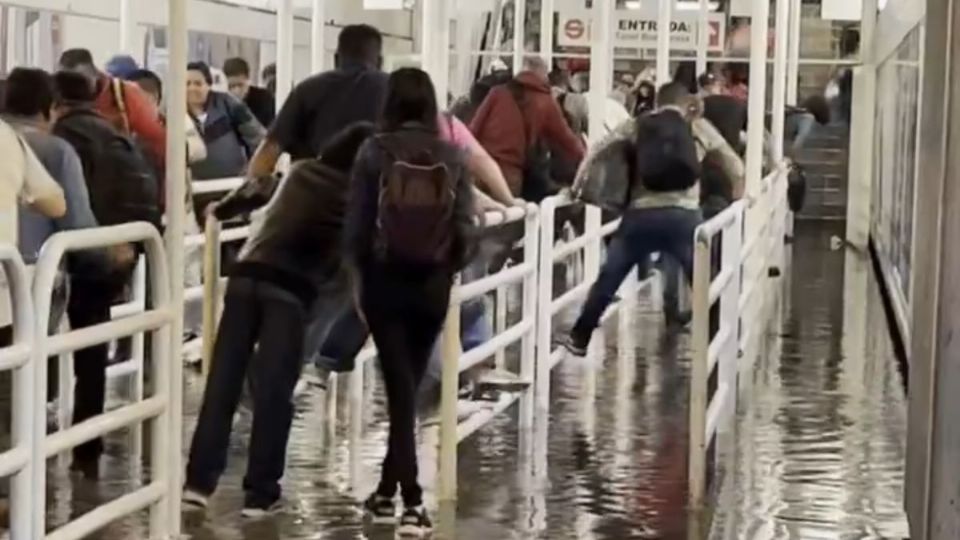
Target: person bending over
281	270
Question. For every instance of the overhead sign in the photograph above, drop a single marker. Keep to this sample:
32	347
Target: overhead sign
637	29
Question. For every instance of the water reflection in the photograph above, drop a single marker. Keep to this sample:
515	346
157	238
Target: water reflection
819	452
821	441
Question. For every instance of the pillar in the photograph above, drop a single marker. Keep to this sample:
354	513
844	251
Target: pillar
520	33
664	14
435	53
284	50
703	36
601	65
782	32
793	51
318	36
546	31
130	38
756	106
933	439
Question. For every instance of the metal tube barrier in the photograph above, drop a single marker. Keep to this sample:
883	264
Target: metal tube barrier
17	461
733	279
455	361
156	495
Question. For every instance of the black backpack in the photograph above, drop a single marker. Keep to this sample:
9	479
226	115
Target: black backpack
416	217
120	181
666	152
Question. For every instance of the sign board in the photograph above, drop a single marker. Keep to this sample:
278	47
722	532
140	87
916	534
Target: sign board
382	4
841	10
637	29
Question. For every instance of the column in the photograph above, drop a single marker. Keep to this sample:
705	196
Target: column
130	38
176	165
318	36
601	65
758	90
933	439
664	14
546	31
520	32
435	53
780	75
703	36
284	50
793	51
862	128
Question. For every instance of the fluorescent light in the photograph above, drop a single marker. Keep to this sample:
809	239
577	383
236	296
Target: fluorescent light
695	6
632	4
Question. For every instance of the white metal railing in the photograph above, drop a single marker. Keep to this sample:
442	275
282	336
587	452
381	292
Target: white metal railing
734	253
157	493
455	361
16	462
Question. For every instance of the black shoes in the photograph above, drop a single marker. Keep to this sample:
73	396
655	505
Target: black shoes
414	523
381	509
575	344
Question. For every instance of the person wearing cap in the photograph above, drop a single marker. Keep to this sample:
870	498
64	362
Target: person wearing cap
122	103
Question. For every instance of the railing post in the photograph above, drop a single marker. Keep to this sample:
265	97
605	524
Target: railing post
135	380
592	259
211	289
729	362
544	320
698	370
500	321
450	375
528	344
23	413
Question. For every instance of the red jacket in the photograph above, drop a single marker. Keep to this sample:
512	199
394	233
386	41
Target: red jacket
499	126
142	118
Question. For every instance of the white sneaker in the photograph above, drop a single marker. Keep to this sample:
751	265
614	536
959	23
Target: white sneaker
195	499
258	512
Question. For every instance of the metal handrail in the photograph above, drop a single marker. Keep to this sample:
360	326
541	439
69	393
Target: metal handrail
733	285
16	357
158	319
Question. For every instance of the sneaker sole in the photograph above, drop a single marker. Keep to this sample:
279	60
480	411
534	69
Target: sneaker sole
410	531
257	513
381	520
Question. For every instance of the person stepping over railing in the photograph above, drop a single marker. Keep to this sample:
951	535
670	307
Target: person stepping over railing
649	168
291	259
409	229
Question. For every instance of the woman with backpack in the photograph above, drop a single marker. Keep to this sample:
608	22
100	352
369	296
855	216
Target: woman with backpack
409	229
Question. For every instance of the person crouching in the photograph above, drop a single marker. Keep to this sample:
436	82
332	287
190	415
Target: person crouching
281	268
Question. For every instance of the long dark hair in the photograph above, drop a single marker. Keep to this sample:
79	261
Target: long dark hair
411	97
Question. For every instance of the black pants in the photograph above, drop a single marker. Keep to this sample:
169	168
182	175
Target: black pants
256	313
89	305
405	314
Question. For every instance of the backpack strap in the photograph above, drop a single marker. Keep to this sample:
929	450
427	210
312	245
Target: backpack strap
516	92
119	98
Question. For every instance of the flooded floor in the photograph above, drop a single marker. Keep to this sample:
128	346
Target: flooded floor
819	452
821	439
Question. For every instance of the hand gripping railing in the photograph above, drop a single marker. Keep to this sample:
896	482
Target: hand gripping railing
157	492
456	362
733	254
15	357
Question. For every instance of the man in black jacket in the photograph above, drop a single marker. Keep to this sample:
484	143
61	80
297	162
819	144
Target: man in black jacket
100	148
293	258
260	101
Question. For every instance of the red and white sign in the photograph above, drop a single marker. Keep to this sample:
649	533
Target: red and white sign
637	29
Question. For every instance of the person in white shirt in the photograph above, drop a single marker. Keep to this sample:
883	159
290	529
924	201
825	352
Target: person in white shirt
23	180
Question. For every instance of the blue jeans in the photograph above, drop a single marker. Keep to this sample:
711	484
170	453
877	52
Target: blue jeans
641	233
799	127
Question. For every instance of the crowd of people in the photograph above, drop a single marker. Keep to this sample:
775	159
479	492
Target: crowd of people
364	235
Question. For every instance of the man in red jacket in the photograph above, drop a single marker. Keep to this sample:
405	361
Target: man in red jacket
123	104
516	116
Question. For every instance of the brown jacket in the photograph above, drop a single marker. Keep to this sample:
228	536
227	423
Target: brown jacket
507	133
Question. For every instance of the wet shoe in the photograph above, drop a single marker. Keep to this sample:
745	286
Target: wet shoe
576	345
258	510
678	320
380	509
414	523
193	499
89	469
